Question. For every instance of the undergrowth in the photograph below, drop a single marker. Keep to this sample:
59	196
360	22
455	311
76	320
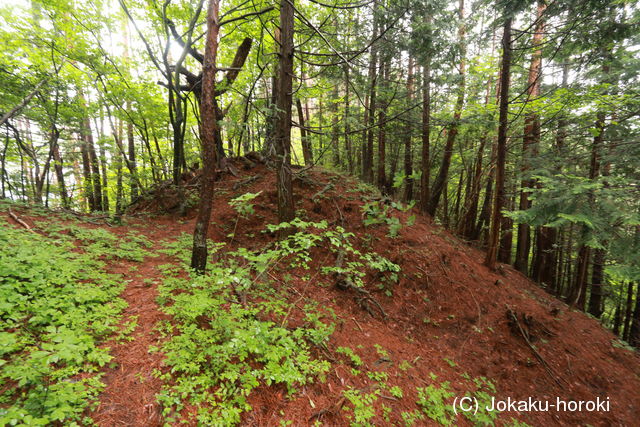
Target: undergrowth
233	330
57	305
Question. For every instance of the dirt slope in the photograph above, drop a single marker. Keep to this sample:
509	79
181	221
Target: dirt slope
448	317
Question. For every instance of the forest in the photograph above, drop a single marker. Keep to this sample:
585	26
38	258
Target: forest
251	212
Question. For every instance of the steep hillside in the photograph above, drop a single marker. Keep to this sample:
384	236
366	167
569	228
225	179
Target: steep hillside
368	314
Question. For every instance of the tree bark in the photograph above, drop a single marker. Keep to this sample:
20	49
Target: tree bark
133	167
498	203
282	128
596	297
628	313
208	129
86	174
57	166
307	154
347	126
408	155
426	130
634	333
382	134
443	173
530	141
95	166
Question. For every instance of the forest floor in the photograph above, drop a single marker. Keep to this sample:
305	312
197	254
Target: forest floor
448	328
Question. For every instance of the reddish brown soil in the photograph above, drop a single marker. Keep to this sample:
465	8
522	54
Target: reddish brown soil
447	305
131	383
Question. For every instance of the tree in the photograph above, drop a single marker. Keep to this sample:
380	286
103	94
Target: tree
531	138
282	127
208	130
499	197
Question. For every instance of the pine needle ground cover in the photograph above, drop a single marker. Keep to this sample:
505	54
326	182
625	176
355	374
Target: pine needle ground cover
57	305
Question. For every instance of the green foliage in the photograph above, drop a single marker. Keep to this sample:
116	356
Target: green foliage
56	306
296	249
379	213
485	390
355	360
219	349
363	406
434	402
242	204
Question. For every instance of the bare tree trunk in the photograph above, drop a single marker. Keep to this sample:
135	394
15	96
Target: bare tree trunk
499	197
544	269
617	320
3	169
597	283
133	167
634	333
408	158
282	128
443	173
382	134
335	141
86	174
347	126
426	130
370	107
208	129
57	166
304	137
95	167
628	313
506	228
531	140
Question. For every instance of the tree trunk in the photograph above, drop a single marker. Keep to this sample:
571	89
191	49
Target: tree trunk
335	141
530	140
208	129
304	137
506	229
443	173
282	128
95	166
370	107
426	130
468	220
86	174
408	158
544	265
103	167
347	126
597	284
57	166
628	313
133	167
617	320
382	135
367	159
498	203
634	333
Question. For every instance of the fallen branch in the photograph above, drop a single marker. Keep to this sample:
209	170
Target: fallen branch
21	222
321	193
513	318
246	181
